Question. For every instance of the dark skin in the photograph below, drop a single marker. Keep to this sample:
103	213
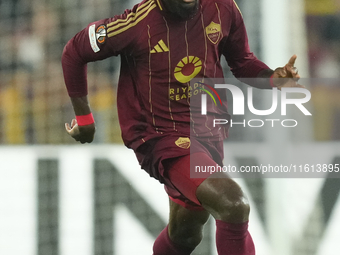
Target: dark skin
220	197
182	9
83	134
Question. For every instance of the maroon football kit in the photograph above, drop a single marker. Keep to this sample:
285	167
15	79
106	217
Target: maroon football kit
159	57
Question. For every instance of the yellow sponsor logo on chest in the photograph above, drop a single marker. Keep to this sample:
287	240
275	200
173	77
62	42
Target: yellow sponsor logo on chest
187	69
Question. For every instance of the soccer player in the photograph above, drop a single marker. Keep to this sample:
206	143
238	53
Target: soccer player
163	44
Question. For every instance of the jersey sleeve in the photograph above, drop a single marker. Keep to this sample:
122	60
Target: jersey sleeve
242	62
99	40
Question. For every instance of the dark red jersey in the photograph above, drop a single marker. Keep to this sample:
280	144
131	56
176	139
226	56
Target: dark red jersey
159	57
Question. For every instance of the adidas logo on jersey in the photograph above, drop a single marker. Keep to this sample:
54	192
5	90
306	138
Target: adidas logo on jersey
160	47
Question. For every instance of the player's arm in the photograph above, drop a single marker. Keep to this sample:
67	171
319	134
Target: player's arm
99	40
84	47
244	64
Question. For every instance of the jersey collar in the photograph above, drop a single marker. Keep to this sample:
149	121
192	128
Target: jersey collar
160	5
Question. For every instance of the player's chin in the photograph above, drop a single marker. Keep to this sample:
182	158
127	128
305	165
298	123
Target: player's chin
188	9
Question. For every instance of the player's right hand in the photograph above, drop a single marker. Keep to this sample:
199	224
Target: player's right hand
83	134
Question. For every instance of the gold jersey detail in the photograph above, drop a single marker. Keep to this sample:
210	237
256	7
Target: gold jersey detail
160	47
132	21
238	8
160	7
183	142
140	9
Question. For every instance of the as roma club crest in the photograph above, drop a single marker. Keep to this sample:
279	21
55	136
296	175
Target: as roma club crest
213	32
183	142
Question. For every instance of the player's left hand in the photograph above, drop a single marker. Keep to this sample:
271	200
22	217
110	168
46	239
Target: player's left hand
287	76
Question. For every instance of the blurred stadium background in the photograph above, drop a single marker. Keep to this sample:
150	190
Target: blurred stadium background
60	198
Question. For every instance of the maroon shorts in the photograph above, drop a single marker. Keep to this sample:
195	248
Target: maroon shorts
169	163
